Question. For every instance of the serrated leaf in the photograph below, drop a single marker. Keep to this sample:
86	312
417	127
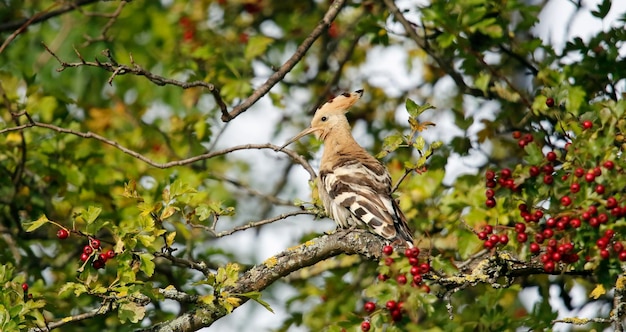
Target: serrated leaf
203	212
33	225
147	265
180	188
91	214
131	311
603	9
414	109
146	240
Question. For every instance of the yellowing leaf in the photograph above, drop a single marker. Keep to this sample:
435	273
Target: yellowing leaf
131	311
168	212
31	226
169	239
597	292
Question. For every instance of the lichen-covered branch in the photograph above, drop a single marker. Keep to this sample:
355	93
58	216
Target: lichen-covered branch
352	242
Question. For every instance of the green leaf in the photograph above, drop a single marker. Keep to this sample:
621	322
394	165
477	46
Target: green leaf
482	82
256	46
256	296
131	311
414	109
147	263
33	225
603	9
91	214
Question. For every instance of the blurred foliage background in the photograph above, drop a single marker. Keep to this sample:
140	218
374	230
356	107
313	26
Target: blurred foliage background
84	144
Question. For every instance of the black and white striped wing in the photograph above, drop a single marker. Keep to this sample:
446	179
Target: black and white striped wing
359	194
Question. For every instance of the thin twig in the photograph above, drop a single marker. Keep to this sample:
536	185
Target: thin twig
256	223
103	33
330	15
292	154
44	15
135	69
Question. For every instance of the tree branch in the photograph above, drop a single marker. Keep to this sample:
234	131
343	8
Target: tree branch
289	64
351	242
292	154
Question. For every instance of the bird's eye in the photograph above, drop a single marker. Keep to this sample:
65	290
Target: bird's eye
324	118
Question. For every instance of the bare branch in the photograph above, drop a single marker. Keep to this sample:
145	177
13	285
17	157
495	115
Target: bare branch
103	33
118	70
44	15
263	222
199	266
102	310
292	154
330	15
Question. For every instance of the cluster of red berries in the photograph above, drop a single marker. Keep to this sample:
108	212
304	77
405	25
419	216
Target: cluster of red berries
394	308
90	249
27	295
553	230
100	259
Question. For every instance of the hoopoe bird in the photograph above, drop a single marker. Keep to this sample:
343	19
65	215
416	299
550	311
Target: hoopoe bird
355	188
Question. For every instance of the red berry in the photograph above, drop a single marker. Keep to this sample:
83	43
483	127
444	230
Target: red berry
369	307
98	264
95	243
482	235
382	277
103	257
600	189
622	256
424	268
538	215
608	165
522	237
365	326
426	288
579	172
547	233
548	179
550	102
597	171
609	233
391	304
618	247
566	201
548	266
396	315
387	250
415	270
593	222
417	279
84	257
605	254
388	261
528	137
522	143
505	173
602	243
522	207
575	223
25	287
87	250
574	188
520	228
490	175
413	261
551	156
488	229
556	256
63	234
611	202
488	244
534	171
504	239
534	248
551	222
590	177
593	210
490	193
333	31
494	238
517	134
548	169
110	254
603	218
491	184
401	279
587	124
539	238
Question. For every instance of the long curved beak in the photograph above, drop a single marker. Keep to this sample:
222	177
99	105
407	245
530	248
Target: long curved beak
299	136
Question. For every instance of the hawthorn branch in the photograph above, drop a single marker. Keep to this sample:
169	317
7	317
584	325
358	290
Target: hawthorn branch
351	242
292	154
257	223
135	69
277	76
45	15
